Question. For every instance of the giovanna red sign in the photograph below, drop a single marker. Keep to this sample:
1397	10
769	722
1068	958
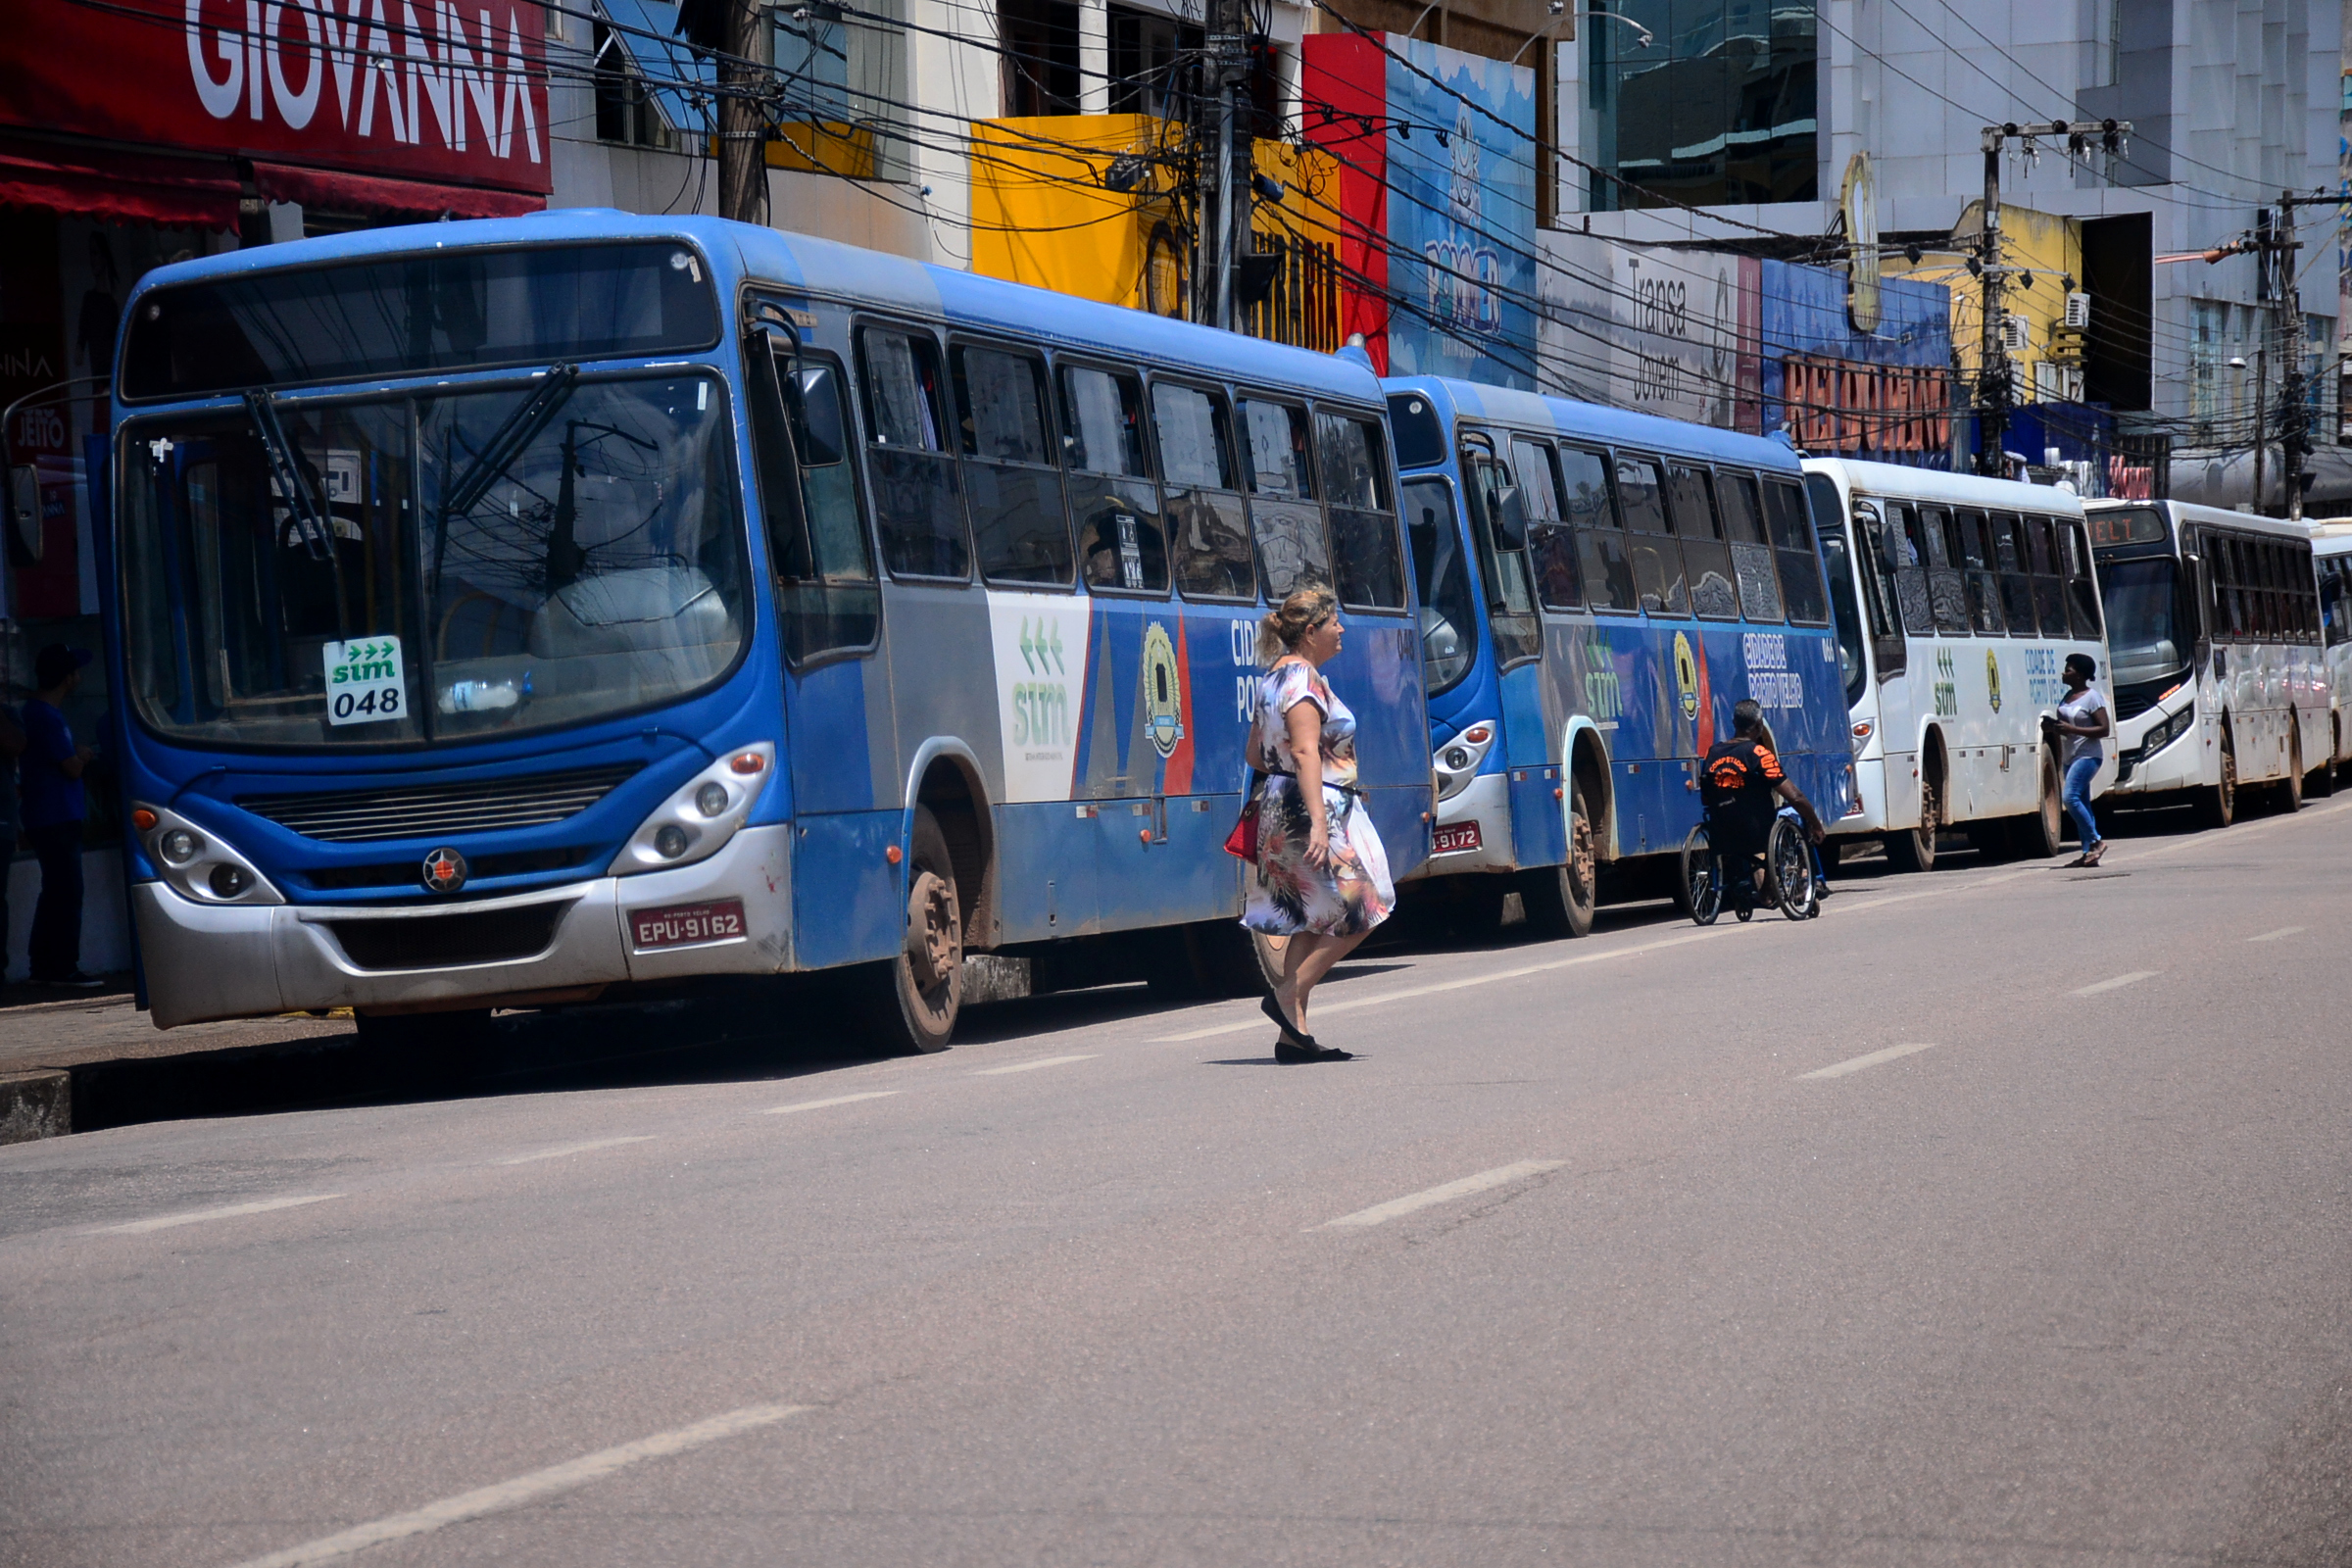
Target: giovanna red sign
454	93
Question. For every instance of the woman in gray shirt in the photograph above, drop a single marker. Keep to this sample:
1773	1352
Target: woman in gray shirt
2081	725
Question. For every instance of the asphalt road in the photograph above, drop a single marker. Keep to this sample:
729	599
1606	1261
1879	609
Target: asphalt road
1587	1262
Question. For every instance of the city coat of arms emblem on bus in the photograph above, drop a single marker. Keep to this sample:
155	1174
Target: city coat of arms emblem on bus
1685	674
1163	691
1992	680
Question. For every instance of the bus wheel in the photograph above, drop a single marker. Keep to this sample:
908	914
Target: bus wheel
1915	849
1560	899
2036	836
920	992
2218	805
2323	778
2291	788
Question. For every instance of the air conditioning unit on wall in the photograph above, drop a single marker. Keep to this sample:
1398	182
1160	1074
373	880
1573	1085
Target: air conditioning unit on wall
2078	312
2017	334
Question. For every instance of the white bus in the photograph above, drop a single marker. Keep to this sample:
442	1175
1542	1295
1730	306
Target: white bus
1965	596
2221	681
2331	558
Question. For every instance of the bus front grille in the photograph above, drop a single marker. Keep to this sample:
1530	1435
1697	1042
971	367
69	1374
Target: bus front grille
439	810
437	941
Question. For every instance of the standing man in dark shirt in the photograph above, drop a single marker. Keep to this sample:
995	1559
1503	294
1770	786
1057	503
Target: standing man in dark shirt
53	803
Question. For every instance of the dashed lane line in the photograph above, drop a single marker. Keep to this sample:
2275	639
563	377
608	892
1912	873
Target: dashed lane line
526	1489
561	1150
2118	982
825	1104
164	1222
1411	1202
1839	1069
1032	1066
2272	936
1488	977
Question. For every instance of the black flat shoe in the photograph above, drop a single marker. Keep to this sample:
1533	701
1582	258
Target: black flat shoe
1307	1051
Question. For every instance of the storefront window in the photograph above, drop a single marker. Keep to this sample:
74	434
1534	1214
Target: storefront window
1717	108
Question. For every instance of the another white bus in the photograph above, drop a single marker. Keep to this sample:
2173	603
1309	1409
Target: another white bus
2331	559
2221	680
1967	595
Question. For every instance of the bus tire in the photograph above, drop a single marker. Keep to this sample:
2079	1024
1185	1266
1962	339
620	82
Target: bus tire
915	996
2037	835
2322	777
2217	808
1561	900
1914	848
2289	792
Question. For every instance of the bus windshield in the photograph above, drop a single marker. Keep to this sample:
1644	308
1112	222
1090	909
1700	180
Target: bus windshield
447	566
2143	634
1448	623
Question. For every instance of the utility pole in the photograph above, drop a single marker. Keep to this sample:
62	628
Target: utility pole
2266	239
1218	247
1992	359
743	84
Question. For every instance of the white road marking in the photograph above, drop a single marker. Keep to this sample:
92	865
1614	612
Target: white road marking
164	1222
1032	1066
821	1104
560	1149
1840	1069
2119	982
1485	1180
2272	936
526	1489
1491	977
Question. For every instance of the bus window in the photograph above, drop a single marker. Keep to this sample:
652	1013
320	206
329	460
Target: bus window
2081	591
1947	590
1510	595
1984	591
1657	559
2221	609
1603	568
823	567
1751	555
1448	617
1907	558
1875	549
1292	551
912	472
1847	613
1120	541
1205	527
1791	530
1551	542
2017	586
2335	620
1363	532
1691	502
2049	595
2306	593
1420	433
1012	476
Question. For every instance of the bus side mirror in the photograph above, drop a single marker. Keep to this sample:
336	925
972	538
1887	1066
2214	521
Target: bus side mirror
1510	518
2200	604
24	513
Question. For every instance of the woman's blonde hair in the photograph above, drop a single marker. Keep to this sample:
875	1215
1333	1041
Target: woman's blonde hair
1287	624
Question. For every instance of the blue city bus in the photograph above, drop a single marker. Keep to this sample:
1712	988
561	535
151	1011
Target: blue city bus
520	613
1596	589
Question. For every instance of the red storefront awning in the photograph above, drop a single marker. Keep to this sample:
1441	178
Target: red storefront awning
377	195
120	187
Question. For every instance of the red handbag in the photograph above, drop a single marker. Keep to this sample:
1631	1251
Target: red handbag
1242	842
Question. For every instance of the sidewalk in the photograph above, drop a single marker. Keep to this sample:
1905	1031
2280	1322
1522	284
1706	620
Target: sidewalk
56	1050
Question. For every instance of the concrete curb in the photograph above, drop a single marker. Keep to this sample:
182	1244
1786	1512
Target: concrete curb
35	1105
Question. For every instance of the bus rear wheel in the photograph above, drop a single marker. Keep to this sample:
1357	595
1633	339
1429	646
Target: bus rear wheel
1561	900
2217	807
2322	777
915	997
1915	849
2037	835
2291	788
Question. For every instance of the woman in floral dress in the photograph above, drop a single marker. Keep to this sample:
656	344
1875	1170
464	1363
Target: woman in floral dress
1322	876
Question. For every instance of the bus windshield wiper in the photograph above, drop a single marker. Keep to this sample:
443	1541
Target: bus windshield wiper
293	482
507	442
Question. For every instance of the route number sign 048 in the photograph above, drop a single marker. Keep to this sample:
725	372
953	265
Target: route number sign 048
364	684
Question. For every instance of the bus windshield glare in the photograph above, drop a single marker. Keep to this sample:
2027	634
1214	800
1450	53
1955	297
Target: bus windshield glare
451	566
2143	619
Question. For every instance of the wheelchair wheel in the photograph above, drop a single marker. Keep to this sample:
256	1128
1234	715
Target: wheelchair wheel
1789	863
1701	890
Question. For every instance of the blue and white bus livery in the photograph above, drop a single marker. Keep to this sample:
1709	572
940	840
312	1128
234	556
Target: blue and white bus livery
514	611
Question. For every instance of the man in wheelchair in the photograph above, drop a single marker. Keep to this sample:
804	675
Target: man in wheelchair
1742	788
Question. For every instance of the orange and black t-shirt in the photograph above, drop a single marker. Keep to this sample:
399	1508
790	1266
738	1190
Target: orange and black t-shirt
1737	782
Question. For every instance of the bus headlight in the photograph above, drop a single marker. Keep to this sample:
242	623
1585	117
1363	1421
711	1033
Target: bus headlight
2164	731
699	815
197	866
1457	762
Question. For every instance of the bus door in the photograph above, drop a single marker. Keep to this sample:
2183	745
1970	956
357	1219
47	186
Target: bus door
841	765
1499	524
1897	581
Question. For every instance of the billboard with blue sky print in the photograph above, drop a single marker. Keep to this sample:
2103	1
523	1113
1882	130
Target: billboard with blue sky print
1463	215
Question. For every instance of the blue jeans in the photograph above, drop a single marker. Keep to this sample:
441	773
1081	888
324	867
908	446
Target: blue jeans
2078	774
